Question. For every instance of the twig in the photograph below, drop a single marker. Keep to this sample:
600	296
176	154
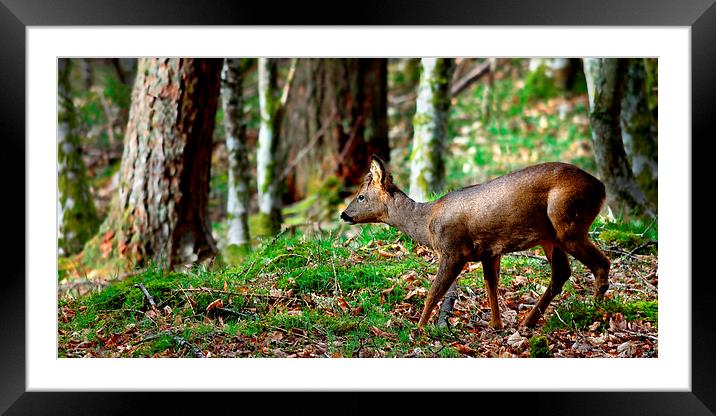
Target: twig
349	144
193	313
640	334
532	256
179	340
278	257
311	143
149	297
472	76
184	343
647	244
289	82
337	289
223	292
560	318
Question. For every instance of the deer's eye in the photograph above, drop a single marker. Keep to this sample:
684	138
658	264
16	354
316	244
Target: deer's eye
361	198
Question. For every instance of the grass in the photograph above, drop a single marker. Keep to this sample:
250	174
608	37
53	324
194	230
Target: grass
322	296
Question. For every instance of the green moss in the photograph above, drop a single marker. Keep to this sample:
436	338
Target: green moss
580	314
539	348
266	225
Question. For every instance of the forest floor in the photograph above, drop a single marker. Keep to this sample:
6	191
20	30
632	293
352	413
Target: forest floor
358	292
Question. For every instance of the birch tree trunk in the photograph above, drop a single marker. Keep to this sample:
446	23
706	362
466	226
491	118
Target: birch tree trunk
605	85
427	169
161	213
76	214
266	166
336	118
640	131
235	127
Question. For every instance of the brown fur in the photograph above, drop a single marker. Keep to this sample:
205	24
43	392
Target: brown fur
550	204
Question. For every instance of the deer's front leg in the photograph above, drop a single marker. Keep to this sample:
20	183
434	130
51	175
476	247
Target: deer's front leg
448	271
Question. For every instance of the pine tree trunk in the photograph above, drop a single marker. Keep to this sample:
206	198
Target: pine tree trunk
335	119
605	84
268	179
639	130
427	169
235	127
161	214
76	216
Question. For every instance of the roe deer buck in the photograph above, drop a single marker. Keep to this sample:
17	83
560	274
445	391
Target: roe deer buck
550	204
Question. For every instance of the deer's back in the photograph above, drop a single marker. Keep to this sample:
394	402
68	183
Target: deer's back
516	211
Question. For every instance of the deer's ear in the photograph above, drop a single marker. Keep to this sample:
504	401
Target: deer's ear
377	170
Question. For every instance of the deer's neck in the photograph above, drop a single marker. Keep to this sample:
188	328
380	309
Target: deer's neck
410	217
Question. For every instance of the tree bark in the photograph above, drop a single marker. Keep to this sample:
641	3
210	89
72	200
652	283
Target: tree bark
336	118
235	127
77	219
640	131
268	182
427	169
605	84
161	213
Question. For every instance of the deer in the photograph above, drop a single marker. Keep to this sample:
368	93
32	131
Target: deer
551	205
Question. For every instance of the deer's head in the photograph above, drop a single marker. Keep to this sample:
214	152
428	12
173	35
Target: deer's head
371	202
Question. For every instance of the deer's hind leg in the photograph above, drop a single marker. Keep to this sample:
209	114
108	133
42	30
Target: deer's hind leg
560	273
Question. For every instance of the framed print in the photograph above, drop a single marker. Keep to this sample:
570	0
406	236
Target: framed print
673	371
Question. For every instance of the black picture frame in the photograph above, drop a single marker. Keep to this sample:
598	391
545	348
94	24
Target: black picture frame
16	15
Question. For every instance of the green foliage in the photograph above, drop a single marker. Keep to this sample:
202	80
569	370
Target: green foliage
539	348
627	234
579	314
529	122
538	86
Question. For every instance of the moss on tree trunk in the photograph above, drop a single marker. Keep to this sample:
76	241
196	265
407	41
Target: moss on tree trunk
430	123
605	83
639	130
235	127
77	219
267	157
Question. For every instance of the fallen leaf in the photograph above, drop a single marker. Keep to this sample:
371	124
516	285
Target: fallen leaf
381	333
388	290
419	291
626	349
516	340
218	303
617	323
343	304
594	326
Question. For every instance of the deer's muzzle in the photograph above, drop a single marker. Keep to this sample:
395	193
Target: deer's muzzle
347	218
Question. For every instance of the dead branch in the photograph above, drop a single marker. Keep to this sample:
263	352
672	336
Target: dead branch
474	75
149	297
310	145
179	340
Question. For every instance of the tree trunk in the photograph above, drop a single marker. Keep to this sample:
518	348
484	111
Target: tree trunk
161	213
76	216
235	127
268	180
336	118
605	84
639	130
427	169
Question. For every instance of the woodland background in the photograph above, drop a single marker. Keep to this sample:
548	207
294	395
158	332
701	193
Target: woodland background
198	203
